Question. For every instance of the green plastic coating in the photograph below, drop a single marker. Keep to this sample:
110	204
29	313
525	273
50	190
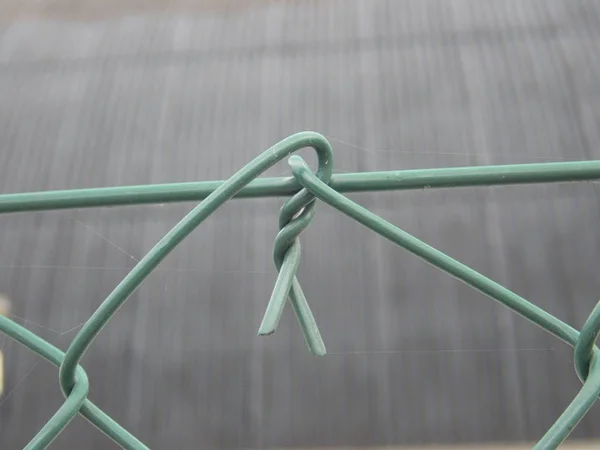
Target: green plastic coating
305	188
591	388
286	254
398	180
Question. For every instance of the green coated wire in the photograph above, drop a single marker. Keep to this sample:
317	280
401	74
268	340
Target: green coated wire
73	404
210	204
286	254
295	215
591	388
584	349
397	180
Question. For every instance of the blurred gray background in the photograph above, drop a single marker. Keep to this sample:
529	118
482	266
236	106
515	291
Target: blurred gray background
103	94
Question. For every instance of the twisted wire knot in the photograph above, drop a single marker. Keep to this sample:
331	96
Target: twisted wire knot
585	347
294	217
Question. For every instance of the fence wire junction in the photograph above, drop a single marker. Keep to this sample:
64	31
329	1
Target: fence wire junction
304	188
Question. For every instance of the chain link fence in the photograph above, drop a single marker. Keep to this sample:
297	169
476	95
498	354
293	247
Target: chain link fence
304	189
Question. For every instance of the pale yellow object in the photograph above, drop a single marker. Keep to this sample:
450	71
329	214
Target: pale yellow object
1	373
4	310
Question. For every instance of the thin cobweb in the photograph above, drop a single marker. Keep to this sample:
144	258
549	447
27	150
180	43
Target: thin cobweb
376	152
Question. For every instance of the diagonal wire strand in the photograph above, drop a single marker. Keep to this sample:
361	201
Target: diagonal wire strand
72	377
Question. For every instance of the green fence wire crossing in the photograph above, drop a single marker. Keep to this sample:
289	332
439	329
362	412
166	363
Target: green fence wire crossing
304	188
